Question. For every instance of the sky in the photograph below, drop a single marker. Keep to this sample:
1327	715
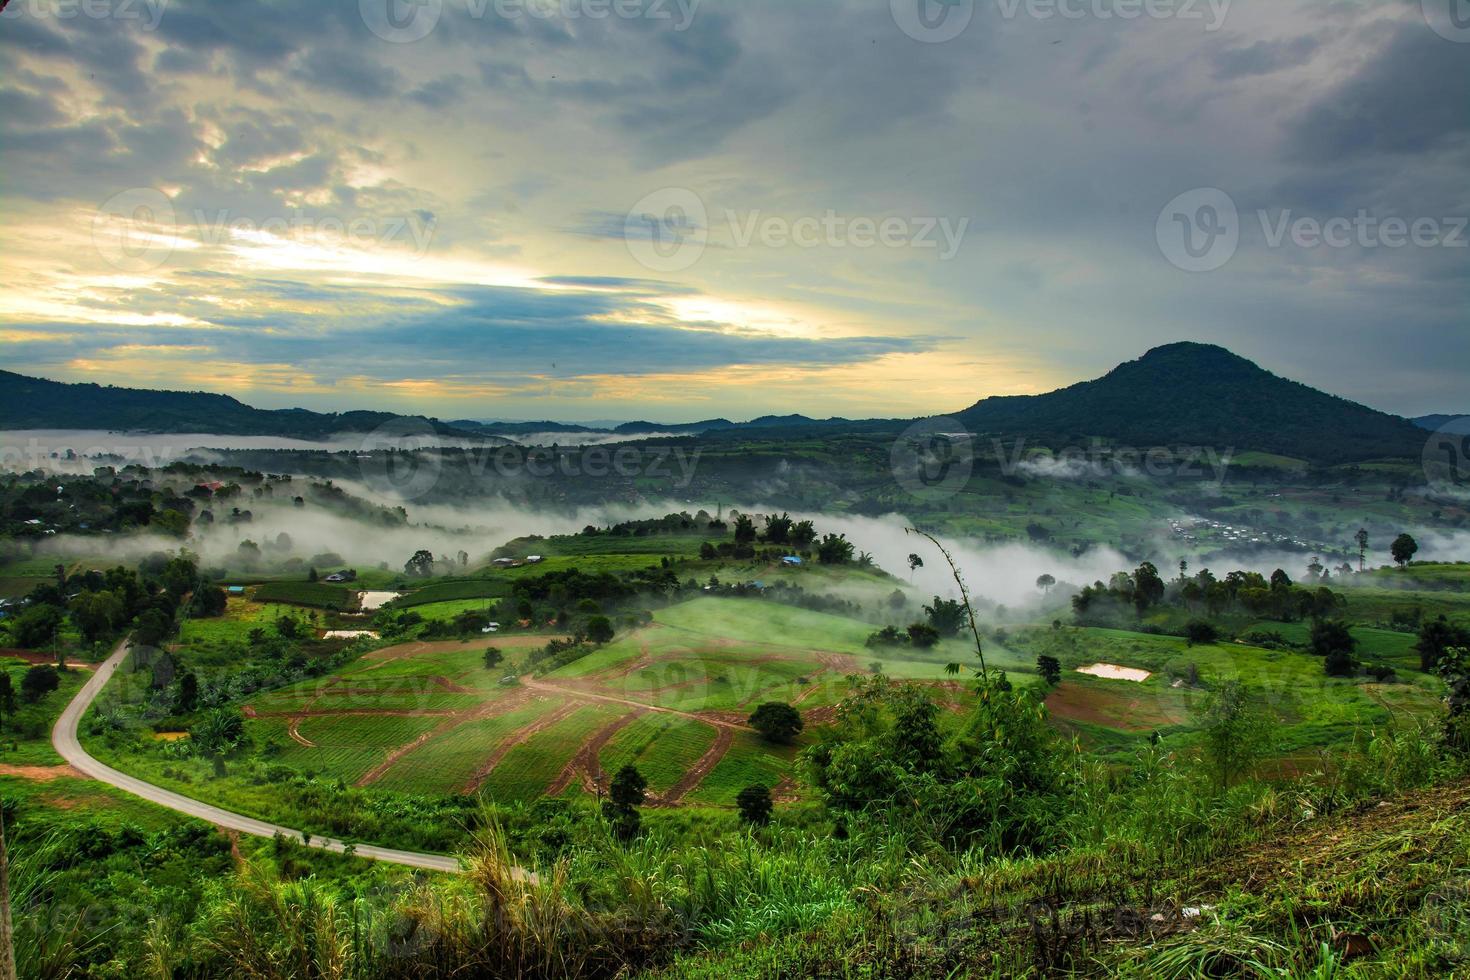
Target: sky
676	210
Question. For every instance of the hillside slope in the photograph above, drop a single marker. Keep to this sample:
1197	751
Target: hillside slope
35	403
1199	394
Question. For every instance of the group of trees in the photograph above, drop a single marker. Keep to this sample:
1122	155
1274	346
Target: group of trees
101	604
38	681
1274	598
999	777
943	618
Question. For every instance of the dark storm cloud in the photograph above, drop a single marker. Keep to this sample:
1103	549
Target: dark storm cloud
1409	98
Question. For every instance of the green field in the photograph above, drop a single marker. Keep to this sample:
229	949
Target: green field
317	594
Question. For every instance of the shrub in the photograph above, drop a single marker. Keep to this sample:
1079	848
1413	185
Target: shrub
1201	631
754	804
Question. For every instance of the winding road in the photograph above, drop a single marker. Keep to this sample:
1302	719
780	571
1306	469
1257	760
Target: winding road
64	737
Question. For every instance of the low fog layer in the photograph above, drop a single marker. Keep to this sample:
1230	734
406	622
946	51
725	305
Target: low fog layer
26	449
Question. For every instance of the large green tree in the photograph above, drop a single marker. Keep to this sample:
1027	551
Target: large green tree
776	721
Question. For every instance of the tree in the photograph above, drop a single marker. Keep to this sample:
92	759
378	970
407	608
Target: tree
493	658
834	549
1436	638
1200	631
152	627
754	804
218	734
7	695
464	559
1454	667
778	528
38	682
1403	548
947	616
1331	640
922	635
777	722
1362	538
599	629
311	575
210	601
96	614
249	553
188	697
625	795
803	533
1236	731
1050	669
1148	587
37	626
422	563
915	563
1044	582
744	529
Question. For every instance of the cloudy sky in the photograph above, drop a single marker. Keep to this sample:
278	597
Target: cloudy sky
672	209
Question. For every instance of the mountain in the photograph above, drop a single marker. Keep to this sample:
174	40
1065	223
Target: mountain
647	428
35	403
1202	395
1177	395
1439	421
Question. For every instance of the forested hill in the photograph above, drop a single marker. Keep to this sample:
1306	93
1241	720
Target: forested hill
1179	394
1200	394
35	403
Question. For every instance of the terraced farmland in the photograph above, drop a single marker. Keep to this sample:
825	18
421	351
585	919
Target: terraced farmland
671	698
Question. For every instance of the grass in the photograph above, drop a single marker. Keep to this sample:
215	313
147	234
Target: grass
315	594
663	747
25	736
440	592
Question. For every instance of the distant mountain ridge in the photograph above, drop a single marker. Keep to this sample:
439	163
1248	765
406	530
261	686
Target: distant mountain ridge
1178	394
1438	420
1203	395
35	403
